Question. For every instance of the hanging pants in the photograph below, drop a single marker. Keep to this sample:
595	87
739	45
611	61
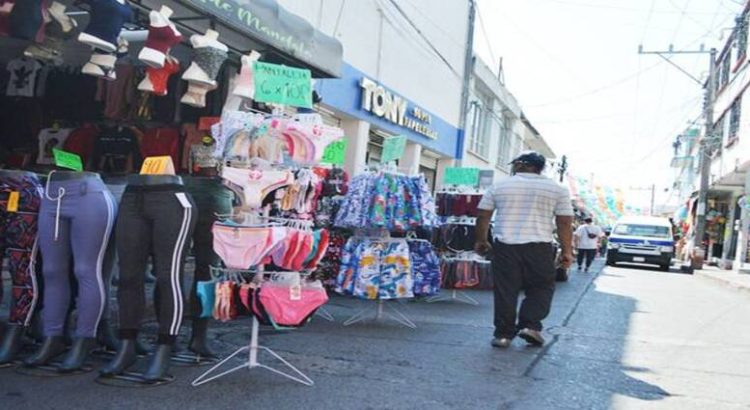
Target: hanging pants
20	199
153	220
211	198
529	267
75	229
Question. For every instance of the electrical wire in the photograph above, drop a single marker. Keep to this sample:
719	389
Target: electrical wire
486	37
424	37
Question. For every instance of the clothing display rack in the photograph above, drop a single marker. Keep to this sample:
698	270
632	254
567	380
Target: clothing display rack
252	349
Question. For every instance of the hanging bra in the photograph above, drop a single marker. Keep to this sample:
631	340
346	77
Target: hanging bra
159	77
209	59
162	39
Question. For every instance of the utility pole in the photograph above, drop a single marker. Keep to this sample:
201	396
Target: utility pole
653	198
704	150
468	70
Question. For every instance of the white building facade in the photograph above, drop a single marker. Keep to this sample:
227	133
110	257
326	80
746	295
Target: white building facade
403	75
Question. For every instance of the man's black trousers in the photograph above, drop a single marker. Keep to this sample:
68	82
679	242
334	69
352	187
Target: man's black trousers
526	267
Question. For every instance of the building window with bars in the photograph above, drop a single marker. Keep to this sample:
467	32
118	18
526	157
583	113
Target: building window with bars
481	127
726	66
504	145
734	122
741	41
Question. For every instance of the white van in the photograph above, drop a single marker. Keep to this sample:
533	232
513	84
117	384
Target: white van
641	239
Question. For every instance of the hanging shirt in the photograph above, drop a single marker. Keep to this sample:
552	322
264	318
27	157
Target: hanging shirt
23	76
48	139
81	142
157	142
113	149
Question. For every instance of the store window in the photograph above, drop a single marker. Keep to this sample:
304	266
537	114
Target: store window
734	122
481	126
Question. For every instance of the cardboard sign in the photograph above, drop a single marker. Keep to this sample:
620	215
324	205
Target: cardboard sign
282	85
13	201
461	176
335	152
393	148
67	160
158	166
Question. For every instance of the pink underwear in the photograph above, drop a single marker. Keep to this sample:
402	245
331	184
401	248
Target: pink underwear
241	247
256	184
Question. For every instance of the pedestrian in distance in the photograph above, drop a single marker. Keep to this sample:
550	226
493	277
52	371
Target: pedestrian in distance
527	207
586	240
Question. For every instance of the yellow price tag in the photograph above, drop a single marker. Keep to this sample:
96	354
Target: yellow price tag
13	201
158	166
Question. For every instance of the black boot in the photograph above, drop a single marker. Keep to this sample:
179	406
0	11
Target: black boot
199	339
159	366
12	343
106	337
52	347
126	357
77	354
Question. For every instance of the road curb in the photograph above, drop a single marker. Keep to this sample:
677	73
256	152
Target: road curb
727	282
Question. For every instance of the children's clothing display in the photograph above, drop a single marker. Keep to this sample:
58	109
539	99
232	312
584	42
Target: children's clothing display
390	201
466	272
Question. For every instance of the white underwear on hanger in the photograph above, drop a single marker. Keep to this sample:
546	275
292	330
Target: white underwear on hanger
102	66
195	95
245	85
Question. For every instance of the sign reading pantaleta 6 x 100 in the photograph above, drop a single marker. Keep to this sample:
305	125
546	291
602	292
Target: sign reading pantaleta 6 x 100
282	85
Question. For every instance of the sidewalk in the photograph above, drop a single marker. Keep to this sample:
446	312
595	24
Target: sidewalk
731	278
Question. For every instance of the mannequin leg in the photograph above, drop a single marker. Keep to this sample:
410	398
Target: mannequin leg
175	221
90	232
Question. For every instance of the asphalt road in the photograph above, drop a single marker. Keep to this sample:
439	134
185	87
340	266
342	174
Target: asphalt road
619	338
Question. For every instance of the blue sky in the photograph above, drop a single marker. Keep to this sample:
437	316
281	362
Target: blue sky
575	68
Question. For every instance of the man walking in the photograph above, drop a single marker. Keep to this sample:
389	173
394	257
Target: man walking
522	251
586	240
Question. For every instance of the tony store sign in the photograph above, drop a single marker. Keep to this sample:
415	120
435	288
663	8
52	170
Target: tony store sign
394	108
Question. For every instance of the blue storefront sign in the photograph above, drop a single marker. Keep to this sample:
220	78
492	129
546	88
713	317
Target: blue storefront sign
359	96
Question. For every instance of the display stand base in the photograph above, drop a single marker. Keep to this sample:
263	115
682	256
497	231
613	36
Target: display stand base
453	296
252	349
325	314
379	314
189	359
131	380
51	370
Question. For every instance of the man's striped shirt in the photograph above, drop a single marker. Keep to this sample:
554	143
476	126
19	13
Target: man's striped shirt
526	205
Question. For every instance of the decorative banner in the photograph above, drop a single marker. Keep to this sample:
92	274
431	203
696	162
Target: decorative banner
335	152
393	148
282	85
68	160
461	176
158	166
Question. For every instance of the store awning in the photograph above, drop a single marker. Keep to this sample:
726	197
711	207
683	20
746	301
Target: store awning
288	38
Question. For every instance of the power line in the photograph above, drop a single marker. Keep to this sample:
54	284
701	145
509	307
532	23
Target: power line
486	37
421	34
